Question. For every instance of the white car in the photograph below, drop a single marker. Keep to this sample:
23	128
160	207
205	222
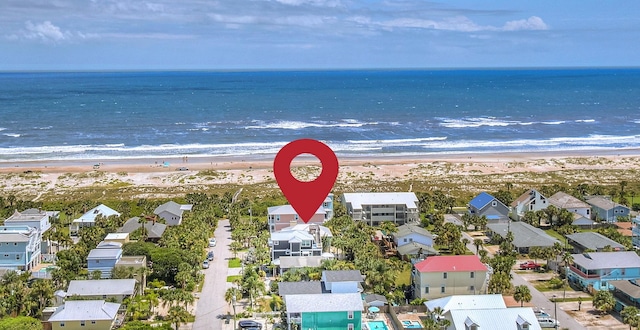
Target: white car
548	322
212	242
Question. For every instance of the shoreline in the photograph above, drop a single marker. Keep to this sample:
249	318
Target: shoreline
266	161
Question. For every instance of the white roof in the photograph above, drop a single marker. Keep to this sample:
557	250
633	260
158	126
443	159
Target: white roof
102	287
288	209
323	302
393	198
291	235
324	231
92	214
104	254
116	236
607	260
483	301
489	318
85	310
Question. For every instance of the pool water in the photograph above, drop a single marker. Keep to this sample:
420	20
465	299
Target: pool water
377	325
411	325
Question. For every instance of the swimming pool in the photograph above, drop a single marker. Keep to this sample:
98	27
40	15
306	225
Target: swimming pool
377	325
411	325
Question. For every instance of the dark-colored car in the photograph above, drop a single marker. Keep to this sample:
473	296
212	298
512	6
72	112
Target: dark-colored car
249	324
210	255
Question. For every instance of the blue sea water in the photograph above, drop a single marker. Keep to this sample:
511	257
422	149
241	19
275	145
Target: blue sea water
103	115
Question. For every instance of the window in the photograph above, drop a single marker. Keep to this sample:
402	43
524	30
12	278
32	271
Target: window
82	323
442	289
104	296
472	288
17	257
472	274
295	217
405	240
306	244
278	217
350	315
62	324
275	243
494	203
444	275
93	322
426	290
350	326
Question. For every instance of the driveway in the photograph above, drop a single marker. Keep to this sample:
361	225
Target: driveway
211	303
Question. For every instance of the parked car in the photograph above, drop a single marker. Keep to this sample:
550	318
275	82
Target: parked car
548	323
541	314
210	255
182	169
212	242
205	264
529	265
249	324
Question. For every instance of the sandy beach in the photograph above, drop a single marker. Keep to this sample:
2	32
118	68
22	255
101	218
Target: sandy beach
470	172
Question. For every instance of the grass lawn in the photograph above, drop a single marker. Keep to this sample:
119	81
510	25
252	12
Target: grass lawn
543	286
235	263
555	234
232	278
404	277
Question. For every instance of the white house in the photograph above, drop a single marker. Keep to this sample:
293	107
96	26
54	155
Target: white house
342	281
531	200
171	212
374	208
36	218
89	218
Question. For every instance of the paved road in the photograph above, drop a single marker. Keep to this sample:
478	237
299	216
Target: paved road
211	303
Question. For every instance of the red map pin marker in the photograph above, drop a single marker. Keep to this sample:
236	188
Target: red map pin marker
305	197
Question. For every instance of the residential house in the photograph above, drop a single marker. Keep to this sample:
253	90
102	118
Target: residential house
327	205
413	240
488	206
121	238
342	281
327	311
104	257
375	208
117	289
593	242
565	201
36	218
88	219
531	200
153	230
635	234
283	216
594	270
288	242
171	212
84	314
582	222
607	210
482	312
626	293
302	287
19	247
440	276
525	235
375	300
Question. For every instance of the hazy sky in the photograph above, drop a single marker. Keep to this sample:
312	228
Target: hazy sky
273	34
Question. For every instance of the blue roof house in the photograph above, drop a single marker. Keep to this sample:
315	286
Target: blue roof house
486	205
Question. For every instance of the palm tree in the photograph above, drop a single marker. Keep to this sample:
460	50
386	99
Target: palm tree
567	259
178	315
522	294
604	301
631	316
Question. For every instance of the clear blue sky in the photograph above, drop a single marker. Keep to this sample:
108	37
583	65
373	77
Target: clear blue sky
316	34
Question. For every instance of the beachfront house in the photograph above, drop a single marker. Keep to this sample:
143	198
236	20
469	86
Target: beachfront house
171	212
413	240
375	208
324	311
594	270
440	276
607	210
19	247
153	230
116	289
525	235
481	312
84	314
88	219
530	201
488	206
565	201
104	257
592	241
283	216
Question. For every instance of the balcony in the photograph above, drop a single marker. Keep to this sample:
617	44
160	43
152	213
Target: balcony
581	274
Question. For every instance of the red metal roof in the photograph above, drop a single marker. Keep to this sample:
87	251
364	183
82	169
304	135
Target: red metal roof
450	264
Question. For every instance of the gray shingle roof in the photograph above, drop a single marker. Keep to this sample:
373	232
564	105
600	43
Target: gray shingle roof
628	287
375	297
307	287
607	260
342	276
566	201
594	241
524	235
603	203
102	287
408	229
85	310
327	302
153	230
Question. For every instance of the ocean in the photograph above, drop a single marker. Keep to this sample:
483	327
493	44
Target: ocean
107	115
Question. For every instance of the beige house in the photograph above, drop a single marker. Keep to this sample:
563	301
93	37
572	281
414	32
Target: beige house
118	289
117	237
440	276
283	216
84	314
